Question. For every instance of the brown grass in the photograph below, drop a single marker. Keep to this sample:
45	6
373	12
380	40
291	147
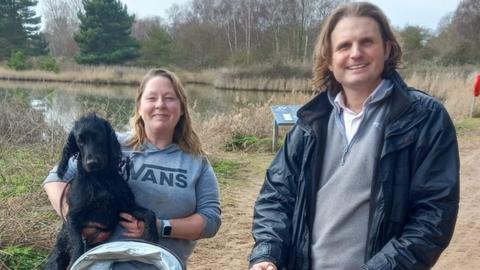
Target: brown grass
262	84
270	77
28	149
255	119
26	220
451	86
206	76
98	75
84	74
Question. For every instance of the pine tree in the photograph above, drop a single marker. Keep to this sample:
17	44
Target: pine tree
104	36
19	26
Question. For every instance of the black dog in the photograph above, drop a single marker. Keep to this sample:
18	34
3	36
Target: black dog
97	193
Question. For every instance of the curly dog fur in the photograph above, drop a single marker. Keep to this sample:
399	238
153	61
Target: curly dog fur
97	193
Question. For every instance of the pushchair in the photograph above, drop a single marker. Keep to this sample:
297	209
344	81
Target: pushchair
105	256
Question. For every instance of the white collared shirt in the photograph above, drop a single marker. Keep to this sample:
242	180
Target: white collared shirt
352	120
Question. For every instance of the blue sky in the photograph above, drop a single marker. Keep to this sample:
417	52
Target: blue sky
425	13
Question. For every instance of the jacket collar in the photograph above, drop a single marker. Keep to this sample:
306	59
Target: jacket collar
403	114
317	107
400	103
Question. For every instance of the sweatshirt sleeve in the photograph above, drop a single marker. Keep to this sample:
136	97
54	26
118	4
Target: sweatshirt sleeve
208	202
69	174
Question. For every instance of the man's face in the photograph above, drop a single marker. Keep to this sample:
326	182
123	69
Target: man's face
358	54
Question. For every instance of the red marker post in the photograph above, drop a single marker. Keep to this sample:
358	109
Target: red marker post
476	93
476	86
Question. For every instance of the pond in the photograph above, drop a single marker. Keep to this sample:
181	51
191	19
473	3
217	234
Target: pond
62	103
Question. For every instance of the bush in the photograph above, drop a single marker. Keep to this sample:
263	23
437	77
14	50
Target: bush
21	258
240	142
48	63
17	61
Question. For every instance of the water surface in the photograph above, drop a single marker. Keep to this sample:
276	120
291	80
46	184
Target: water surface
62	103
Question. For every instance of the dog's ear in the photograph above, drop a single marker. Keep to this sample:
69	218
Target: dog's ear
115	149
70	149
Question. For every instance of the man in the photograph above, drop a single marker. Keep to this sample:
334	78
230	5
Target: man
368	178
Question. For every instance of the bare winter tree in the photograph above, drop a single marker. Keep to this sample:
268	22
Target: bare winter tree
457	38
61	22
142	27
248	31
467	19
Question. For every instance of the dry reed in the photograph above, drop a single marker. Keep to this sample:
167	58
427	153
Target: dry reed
255	119
85	74
28	149
452	87
263	84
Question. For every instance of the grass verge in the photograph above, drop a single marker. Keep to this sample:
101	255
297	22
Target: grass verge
467	125
21	258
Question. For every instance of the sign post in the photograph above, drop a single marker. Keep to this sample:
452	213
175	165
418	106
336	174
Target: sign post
283	115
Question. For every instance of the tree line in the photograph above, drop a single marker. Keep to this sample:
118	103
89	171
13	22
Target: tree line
211	33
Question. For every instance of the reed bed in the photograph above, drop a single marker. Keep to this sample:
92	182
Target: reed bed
254	120
85	74
263	84
103	90
98	75
454	88
206	76
283	77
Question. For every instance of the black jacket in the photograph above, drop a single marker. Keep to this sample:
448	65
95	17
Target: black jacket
415	192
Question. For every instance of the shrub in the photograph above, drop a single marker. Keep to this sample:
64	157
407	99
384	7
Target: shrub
17	61
21	258
48	63
240	142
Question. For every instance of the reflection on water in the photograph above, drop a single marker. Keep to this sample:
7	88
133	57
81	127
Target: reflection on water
62	103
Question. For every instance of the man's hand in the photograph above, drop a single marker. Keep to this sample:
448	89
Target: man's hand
264	266
95	233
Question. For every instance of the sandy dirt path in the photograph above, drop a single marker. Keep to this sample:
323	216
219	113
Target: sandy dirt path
231	247
464	249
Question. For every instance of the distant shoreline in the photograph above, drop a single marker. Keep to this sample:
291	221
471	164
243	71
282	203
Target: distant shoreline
217	78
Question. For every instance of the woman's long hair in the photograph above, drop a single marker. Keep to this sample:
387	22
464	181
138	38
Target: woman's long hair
184	135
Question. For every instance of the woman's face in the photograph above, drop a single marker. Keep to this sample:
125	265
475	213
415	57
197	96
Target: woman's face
159	108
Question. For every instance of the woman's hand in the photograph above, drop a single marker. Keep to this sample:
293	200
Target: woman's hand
134	228
264	266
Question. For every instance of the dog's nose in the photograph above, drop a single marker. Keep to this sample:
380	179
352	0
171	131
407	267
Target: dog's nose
92	164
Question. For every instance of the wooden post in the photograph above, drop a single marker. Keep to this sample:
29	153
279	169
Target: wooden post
473	107
274	136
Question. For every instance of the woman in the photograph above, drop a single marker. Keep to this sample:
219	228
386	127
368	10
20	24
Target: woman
169	171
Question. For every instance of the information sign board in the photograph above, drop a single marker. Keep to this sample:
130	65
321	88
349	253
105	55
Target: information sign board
283	115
